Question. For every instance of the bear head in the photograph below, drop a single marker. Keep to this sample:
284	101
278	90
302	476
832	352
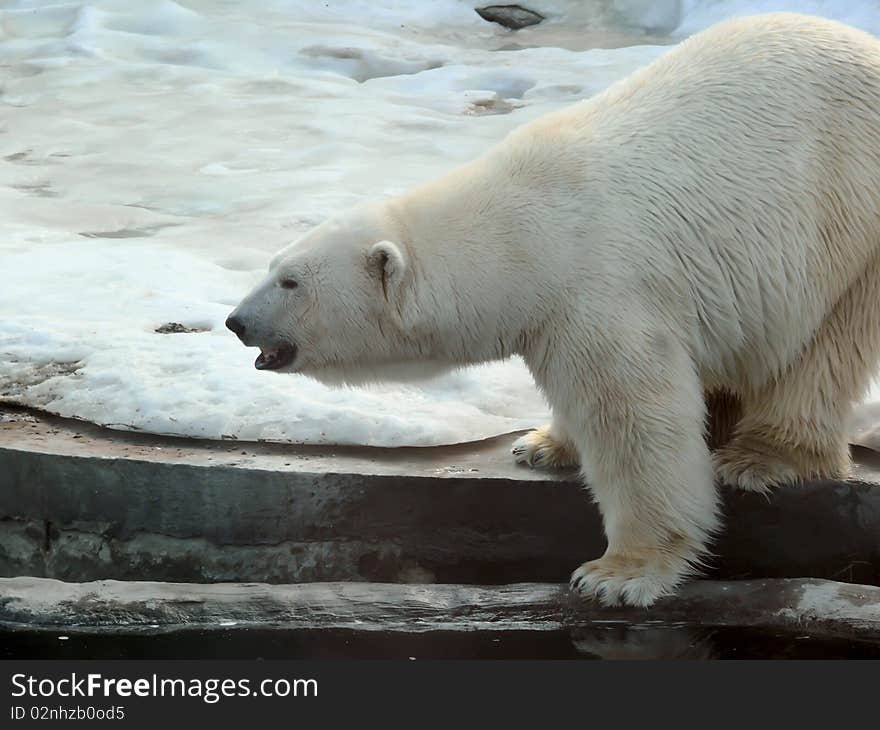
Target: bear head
338	305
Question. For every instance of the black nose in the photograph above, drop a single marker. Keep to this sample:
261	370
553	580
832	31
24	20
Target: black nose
235	325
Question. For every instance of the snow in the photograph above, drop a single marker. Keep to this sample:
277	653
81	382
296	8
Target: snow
154	155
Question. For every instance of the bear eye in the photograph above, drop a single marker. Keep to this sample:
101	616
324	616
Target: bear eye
289	284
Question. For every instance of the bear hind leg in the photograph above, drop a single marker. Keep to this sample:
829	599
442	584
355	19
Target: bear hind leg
796	427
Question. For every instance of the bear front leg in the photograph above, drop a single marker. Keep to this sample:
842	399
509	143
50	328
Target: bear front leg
638	424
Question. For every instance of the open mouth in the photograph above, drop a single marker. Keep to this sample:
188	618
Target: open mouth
275	357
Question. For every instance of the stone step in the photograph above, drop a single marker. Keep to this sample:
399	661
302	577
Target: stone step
80	503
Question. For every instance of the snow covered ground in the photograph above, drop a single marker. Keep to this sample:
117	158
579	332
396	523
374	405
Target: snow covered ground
153	155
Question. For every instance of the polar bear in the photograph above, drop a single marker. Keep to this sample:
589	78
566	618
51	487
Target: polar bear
688	263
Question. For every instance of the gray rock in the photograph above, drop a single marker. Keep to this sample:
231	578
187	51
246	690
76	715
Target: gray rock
174	328
510	16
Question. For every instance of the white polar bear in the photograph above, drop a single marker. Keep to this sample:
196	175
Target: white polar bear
689	260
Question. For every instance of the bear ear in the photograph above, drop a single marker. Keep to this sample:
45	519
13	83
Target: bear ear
388	263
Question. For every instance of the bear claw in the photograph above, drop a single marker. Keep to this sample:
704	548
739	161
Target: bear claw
612	583
539	450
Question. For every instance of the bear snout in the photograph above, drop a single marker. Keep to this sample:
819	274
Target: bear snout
236	325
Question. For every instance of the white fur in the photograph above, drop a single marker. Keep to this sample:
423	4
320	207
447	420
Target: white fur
709	224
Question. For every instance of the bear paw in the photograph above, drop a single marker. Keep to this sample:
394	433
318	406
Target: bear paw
751	471
633	581
540	450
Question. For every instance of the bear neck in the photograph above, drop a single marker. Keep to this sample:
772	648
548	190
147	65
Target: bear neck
476	259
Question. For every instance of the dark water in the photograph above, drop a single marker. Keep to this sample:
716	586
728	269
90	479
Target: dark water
601	643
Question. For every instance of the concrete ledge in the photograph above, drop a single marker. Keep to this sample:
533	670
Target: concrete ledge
80	503
820	608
